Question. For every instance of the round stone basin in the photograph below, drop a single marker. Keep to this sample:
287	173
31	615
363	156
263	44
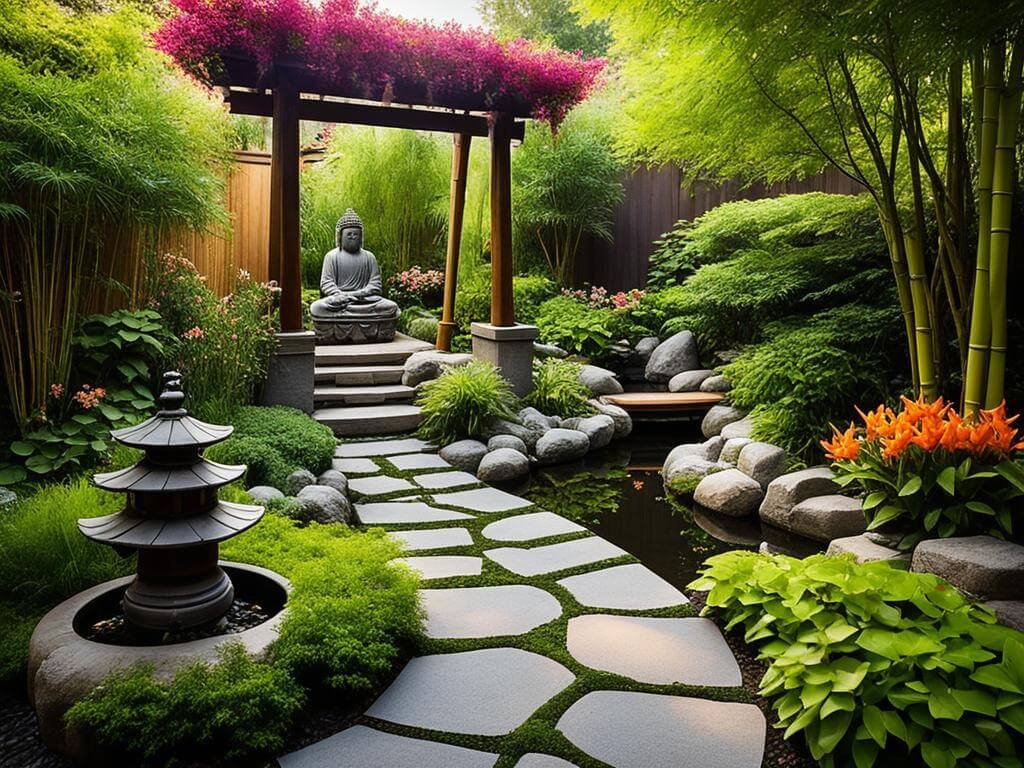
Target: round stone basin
64	666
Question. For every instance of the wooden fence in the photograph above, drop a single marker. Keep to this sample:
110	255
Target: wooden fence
655	201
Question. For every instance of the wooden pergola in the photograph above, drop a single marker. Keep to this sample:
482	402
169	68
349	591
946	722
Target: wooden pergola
288	94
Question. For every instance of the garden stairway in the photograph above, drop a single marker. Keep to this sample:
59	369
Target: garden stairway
358	388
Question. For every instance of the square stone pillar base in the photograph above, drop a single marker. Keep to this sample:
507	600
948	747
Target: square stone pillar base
510	348
290	373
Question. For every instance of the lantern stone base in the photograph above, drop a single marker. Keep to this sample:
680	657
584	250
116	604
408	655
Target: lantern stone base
290	374
510	348
63	666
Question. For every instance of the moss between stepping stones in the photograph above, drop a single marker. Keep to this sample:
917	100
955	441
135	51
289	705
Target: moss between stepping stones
538	733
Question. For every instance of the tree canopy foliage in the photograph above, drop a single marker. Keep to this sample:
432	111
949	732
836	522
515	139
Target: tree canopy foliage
554	22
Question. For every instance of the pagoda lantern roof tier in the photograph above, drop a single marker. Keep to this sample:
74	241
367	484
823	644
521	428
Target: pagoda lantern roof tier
129	529
149	476
172	430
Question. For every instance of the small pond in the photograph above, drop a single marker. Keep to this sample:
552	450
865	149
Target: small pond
619	495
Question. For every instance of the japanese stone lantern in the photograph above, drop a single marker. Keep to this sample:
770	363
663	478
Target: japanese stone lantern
173	518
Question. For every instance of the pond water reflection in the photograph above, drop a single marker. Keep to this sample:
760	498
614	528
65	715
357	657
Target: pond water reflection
619	495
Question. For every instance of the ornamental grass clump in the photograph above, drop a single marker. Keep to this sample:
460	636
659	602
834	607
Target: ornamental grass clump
874	664
928	472
557	389
462	401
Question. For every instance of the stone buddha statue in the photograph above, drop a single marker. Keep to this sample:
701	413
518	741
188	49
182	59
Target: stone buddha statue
351	309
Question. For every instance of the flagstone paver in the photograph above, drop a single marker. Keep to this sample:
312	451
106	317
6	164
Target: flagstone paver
362	747
378	484
396	512
650	730
432	538
443	566
650	650
381	448
483	500
437	480
489	692
466	612
554	557
631	587
355	466
419	461
537	760
536	525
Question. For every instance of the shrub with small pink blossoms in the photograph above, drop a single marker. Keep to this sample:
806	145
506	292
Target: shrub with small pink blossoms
417	287
598	297
368	53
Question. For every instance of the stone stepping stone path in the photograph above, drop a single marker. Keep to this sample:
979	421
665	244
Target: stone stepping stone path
355	466
437	480
554	557
513	609
488	595
397	512
381	448
537	525
631	587
432	538
380	484
362	747
649	730
414	461
658	651
482	500
489	692
443	566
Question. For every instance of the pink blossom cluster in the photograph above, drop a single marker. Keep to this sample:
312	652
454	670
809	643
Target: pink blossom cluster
415	279
371	54
598	297
193	333
88	397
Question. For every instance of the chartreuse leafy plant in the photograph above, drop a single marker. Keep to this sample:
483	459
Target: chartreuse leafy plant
871	661
580	329
557	389
928	472
461	401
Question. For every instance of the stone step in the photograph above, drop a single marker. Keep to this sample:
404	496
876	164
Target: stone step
369	419
358	375
369	395
389	353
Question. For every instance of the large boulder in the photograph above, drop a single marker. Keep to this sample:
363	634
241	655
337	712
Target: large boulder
685	471
428	364
709	450
262	494
561	445
1009	613
335	479
528	434
983	566
464	454
507	442
742	428
599	429
785	492
623	421
298	480
548	350
324	504
600	381
717	417
729	492
531	417
8	498
676	354
731	450
645	348
503	464
762	461
824	518
689	381
864	550
715	384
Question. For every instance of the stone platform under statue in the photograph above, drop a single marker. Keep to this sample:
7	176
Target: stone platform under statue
351	309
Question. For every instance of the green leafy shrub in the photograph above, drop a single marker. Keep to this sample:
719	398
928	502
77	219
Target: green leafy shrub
557	389
580	329
461	401
275	442
229	711
423	328
473	297
672	260
870	660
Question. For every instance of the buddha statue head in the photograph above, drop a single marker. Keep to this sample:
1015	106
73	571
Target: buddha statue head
348	234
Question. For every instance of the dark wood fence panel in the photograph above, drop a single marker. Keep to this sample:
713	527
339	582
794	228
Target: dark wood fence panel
654	201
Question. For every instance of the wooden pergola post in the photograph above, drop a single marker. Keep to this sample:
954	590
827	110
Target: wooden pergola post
457	204
284	202
502	310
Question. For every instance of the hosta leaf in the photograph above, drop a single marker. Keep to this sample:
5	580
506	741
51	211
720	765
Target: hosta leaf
875	724
884	515
1013	471
1014	717
39	464
864	753
912	486
831	731
21	448
874	499
947	480
936	757
974	700
12	474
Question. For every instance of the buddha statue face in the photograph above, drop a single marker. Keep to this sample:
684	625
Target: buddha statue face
351	239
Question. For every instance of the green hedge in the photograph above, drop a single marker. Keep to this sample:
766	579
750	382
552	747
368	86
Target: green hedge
473	297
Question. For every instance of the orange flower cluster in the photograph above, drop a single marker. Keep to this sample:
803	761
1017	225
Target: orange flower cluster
928	426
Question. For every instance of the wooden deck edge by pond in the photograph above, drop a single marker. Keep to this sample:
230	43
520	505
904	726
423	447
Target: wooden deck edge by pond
664	403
